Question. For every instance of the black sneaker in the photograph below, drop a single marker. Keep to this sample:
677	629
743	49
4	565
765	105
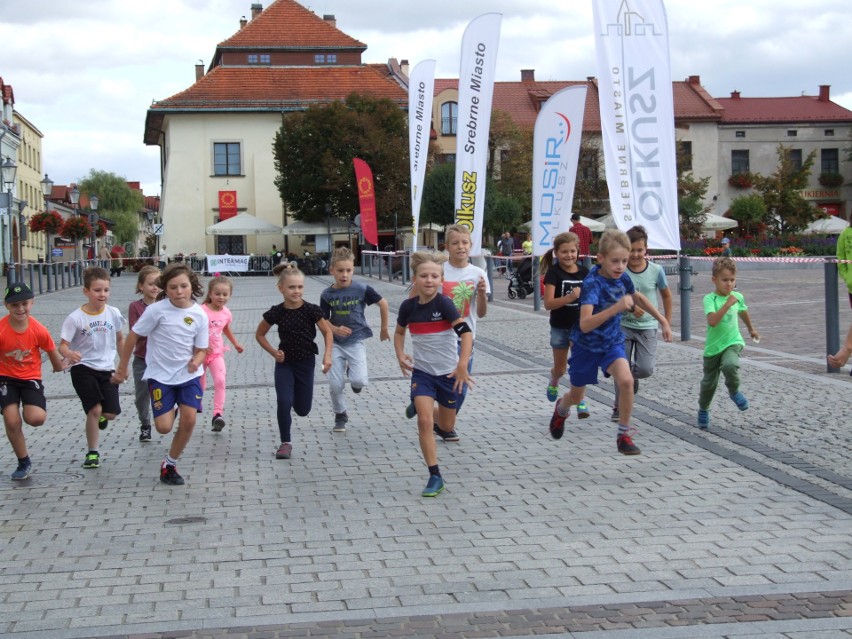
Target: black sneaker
145	433
169	475
635	386
103	422
357	389
410	411
447	436
93	460
340	420
218	423
557	423
626	446
615	415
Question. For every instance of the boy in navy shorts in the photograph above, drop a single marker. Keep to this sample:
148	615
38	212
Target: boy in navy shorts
598	342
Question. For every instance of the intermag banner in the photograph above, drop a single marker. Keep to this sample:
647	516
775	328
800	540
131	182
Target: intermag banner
227	263
637	117
421	86
476	87
556	151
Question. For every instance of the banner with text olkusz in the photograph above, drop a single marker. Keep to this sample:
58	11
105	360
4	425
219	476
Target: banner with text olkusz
637	117
556	150
421	85
476	87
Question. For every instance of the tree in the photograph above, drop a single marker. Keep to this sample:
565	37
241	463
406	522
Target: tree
314	150
511	151
437	206
750	211
691	194
117	202
786	210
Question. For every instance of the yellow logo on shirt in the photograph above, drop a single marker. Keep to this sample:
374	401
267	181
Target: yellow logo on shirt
188	321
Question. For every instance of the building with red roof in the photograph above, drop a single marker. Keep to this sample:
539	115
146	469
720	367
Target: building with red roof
216	136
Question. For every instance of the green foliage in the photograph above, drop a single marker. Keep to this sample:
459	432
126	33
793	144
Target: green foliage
750	211
314	150
502	213
437	204
117	202
513	147
786	210
691	194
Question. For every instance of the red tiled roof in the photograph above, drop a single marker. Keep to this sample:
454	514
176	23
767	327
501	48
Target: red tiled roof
522	100
804	108
276	89
286	24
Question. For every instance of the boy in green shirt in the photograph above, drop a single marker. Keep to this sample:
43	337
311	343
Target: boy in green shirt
724	342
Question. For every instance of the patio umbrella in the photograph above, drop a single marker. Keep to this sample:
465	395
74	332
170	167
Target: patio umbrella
594	225
711	222
831	225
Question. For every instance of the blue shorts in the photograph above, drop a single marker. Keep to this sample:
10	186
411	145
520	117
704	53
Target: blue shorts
583	364
438	387
164	397
560	338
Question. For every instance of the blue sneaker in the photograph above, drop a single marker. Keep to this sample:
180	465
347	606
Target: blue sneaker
703	419
435	486
740	400
23	471
582	410
410	411
552	393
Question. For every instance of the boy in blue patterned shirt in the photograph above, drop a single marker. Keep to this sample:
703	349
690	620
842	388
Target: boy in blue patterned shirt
597	339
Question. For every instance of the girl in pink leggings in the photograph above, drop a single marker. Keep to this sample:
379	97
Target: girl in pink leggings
219	317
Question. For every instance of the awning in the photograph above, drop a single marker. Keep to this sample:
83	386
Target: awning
243	224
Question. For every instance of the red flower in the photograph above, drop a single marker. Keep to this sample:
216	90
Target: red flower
46	222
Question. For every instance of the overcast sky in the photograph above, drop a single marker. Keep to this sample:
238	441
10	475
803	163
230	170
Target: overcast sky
86	72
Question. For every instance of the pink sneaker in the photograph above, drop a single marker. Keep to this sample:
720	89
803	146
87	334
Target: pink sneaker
284	451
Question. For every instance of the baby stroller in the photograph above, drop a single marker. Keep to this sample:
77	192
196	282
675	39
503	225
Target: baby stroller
521	283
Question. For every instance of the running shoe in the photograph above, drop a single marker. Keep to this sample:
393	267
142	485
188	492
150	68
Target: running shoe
434	486
703	419
615	415
218	423
552	393
557	424
145	433
25	469
740	400
103	422
582	410
410	410
284	451
93	460
169	475
626	446
447	436
340	420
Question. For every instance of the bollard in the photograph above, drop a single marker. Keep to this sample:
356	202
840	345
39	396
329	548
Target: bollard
536	284
370	266
405	269
832	311
685	291
489	272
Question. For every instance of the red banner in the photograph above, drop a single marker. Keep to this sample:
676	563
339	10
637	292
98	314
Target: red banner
367	201
227	204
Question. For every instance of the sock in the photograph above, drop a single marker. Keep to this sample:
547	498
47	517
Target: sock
433	470
168	461
554	382
563	412
94	450
24	460
622	429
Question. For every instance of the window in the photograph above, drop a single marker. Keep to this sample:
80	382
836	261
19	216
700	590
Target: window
829	132
265	58
739	162
830	161
331	58
226	158
449	118
252	58
791	133
739	134
795	157
319	58
684	155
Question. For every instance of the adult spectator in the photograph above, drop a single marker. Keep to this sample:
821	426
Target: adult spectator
506	247
527	245
276	255
844	254
583	233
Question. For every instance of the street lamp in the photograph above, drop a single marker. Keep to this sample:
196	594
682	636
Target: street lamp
74	194
93	220
47	189
8	169
22	236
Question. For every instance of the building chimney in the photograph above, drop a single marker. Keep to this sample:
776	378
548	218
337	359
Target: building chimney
825	93
735	95
527	75
256	8
403	67
243	22
694	79
329	18
199	70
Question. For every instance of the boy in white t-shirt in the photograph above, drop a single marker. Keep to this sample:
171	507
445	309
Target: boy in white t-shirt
91	336
467	286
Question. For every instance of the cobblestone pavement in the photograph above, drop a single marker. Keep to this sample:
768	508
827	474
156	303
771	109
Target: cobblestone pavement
743	531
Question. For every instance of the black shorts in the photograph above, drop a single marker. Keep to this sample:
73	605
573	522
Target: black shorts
93	388
29	392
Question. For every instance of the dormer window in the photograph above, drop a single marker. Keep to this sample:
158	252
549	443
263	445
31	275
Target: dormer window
325	58
263	58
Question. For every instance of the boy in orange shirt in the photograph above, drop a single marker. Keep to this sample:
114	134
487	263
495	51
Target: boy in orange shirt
21	339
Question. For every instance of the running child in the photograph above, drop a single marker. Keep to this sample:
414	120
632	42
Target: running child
146	285
219	291
22	338
177	333
724	342
466	285
91	338
343	305
439	372
295	357
563	282
639	328
597	341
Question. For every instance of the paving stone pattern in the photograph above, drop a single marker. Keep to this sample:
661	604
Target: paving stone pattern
744	528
